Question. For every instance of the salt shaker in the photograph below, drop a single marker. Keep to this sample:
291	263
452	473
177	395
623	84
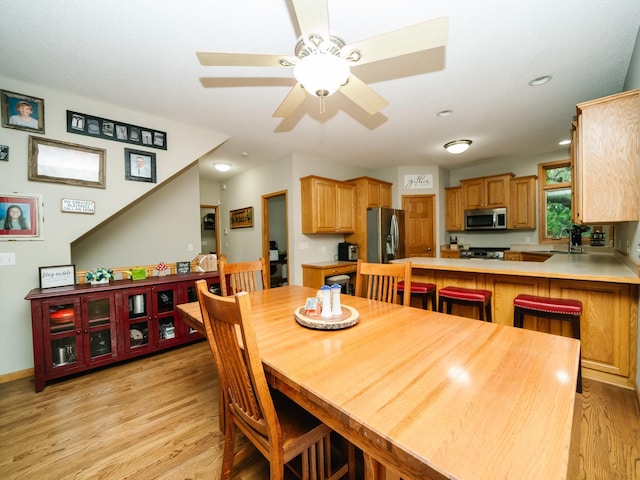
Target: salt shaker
336	309
326	301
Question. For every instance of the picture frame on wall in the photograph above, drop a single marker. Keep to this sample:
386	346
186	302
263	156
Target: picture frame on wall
117	131
139	166
22	112
20	216
69	163
241	218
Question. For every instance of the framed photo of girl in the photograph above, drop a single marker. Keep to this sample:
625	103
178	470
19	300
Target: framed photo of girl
20	216
22	112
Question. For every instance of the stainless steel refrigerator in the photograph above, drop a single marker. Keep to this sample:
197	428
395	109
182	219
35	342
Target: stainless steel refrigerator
385	234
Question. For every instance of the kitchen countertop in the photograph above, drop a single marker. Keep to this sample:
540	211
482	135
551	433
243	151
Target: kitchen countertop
329	264
598	267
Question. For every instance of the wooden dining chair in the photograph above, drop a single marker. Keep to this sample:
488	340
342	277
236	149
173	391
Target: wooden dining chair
279	428
242	276
379	281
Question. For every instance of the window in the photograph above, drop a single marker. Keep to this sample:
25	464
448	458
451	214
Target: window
554	184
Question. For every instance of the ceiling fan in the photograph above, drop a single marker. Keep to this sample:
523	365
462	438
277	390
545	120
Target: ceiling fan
322	62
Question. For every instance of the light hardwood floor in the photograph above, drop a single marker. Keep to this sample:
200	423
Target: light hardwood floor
156	418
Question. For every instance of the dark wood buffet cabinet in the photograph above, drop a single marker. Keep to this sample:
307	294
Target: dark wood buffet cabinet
82	327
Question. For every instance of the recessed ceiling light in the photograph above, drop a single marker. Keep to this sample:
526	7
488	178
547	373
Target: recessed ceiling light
444	113
457	146
222	166
540	80
564	142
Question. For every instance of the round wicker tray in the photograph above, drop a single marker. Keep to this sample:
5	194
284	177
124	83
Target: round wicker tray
349	318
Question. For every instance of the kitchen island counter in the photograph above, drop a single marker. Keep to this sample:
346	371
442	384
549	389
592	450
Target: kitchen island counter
605	283
597	267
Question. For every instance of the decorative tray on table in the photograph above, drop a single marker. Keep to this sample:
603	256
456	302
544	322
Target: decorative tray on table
349	318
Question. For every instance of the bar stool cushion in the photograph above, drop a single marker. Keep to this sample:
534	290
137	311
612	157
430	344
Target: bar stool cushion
418	287
425	290
467	294
558	306
546	307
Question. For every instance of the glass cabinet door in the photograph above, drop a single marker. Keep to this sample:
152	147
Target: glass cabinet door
138	316
165	298
62	327
100	326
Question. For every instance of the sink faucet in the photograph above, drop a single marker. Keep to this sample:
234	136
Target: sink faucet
568	232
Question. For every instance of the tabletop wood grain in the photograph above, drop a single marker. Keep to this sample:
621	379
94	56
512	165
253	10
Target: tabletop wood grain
428	394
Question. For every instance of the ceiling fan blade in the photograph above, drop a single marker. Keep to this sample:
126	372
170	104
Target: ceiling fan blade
313	17
291	102
415	38
362	95
223	59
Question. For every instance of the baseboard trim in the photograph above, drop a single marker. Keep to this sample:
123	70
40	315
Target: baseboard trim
9	377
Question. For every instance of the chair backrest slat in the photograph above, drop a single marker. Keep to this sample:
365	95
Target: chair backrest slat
379	281
231	336
242	276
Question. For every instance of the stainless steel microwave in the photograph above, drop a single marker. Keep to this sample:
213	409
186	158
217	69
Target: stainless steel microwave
485	219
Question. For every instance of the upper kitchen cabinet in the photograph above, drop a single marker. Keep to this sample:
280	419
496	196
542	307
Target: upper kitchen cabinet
328	206
454	220
486	192
522	210
370	193
605	160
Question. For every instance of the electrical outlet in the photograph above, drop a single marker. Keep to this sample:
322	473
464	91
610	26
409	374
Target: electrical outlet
7	258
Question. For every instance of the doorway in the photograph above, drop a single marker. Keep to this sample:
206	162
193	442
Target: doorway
419	221
275	235
209	229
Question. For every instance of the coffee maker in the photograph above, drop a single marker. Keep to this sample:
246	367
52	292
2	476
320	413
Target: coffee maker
576	236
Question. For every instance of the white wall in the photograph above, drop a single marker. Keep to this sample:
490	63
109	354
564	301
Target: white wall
185	145
162	227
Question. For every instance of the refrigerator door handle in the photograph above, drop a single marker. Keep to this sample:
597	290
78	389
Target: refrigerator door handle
395	233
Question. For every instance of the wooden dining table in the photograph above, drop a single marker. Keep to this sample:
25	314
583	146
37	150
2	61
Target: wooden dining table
425	395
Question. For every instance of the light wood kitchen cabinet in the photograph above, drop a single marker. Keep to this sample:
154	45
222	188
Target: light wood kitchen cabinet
314	274
486	192
369	193
513	256
454	213
522	208
605	160
605	329
328	206
448	253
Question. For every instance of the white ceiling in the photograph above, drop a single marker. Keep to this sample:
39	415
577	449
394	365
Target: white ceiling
141	54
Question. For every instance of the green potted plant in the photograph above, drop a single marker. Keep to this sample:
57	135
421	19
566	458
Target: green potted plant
99	275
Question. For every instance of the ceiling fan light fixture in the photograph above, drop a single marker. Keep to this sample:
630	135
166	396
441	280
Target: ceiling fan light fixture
321	74
457	146
222	166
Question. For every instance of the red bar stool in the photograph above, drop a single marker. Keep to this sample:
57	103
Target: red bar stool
425	291
466	296
555	308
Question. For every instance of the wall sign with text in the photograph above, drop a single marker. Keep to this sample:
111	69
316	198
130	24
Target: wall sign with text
243	217
412	182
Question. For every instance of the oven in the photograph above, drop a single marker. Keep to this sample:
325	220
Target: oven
484	253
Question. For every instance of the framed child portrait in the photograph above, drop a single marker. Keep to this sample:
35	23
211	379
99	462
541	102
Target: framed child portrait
139	166
20	216
22	112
